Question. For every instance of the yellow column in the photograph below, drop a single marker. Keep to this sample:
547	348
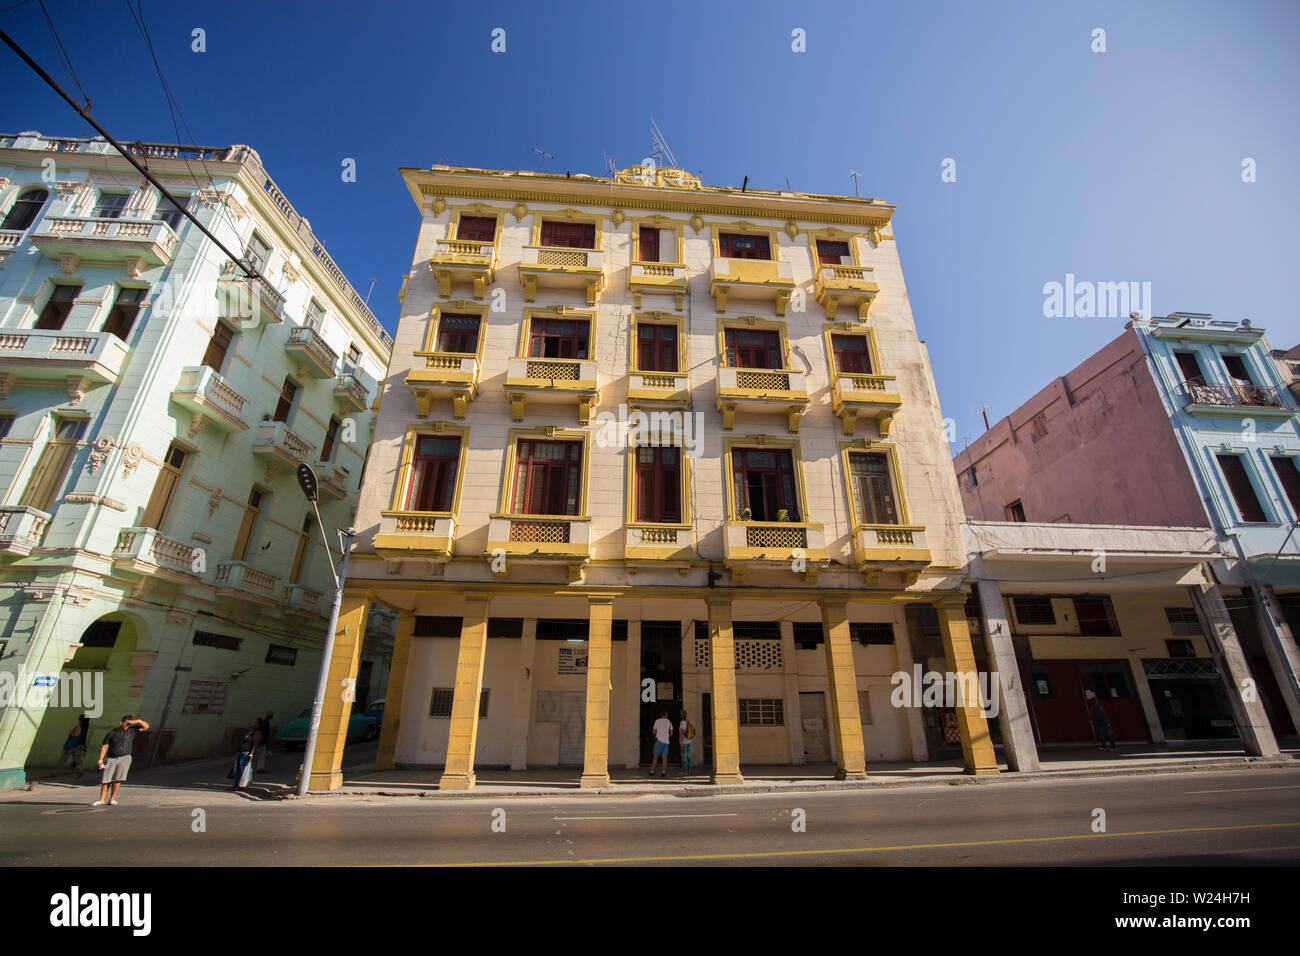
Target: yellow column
327	765
393	693
976	745
595	762
722	687
842	680
462	736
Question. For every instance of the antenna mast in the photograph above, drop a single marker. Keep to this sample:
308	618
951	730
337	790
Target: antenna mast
659	146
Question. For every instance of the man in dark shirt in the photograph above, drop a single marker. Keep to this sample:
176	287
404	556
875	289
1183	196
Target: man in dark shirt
115	758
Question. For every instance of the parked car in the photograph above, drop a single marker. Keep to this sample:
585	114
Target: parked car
376	710
293	733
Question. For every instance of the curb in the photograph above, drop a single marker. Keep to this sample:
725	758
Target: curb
1219	765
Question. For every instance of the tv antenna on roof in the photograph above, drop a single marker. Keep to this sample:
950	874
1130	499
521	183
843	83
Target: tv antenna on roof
659	147
544	154
855	174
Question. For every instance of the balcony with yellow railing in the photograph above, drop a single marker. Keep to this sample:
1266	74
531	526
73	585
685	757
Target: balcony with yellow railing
423	535
562	268
539	539
446	375
658	546
658	389
657	278
851	286
551	381
855	396
763	280
794	546
762	391
890	547
464	260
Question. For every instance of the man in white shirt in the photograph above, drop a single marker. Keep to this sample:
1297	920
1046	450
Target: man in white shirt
663	731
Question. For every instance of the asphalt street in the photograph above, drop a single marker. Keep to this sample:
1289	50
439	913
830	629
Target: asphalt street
1195	819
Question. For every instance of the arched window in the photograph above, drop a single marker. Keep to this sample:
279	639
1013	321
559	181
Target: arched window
25	209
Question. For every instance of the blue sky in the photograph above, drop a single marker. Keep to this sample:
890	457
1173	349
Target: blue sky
1116	166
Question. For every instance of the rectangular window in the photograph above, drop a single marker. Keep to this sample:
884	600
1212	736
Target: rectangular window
223	641
762	712
1243	492
215	356
558	338
244	539
1290	480
437	626
257	253
109	206
656	348
477	229
1096	617
315	315
164	488
300	552
563	629
733	245
1180	648
1034	610
1190	368
169	212
868	633
1236	367
807	635
1015	511
441	701
1183	622
126	307
873	487
765	484
548	478
433	473
331	435
57	308
831	253
351	359
658	484
648	244
569	235
751	349
206	697
279	654
55	463
457	333
287	393
851	354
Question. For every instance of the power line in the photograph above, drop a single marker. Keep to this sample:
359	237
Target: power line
63	53
126	154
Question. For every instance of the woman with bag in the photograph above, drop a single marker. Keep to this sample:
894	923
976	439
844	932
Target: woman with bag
248	748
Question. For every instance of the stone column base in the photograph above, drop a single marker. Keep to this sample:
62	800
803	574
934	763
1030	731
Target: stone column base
594	780
456	781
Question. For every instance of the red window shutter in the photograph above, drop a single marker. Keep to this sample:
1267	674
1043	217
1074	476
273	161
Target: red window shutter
831	253
548	233
649	244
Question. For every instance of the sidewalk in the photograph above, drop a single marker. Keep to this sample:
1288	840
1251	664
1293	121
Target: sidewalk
205	780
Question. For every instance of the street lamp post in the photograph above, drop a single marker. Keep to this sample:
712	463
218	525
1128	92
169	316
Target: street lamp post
307	482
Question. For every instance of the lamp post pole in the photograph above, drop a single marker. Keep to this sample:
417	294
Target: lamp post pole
307	481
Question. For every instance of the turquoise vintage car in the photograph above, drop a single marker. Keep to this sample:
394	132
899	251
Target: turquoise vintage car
293	733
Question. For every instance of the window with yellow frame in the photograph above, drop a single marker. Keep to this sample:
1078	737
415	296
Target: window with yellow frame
747	339
432	471
658	481
658	240
568	229
658	343
874	484
744	240
834	247
458	327
558	332
545	473
476	223
851	349
765	480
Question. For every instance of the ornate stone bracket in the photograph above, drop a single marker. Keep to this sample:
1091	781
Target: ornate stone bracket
77	385
69	262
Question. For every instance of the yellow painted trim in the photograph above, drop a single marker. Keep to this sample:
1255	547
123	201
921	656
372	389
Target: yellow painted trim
744	227
891	450
422	543
413	432
569	215
544	433
659	222
832	234
684	472
743	322
457	307
852	328
763	441
657	317
556	312
477	209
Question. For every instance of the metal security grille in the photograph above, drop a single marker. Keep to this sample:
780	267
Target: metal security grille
208	639
756	630
1180	667
561	629
770	381
762	712
807	635
871	632
542	532
440	704
758	655
206	697
279	654
427	626
775	536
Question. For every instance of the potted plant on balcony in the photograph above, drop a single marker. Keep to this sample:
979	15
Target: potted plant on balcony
783	515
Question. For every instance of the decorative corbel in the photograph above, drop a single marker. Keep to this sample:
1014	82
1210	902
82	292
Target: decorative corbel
697	222
69	262
439	206
77	385
134	266
792	415
618	217
517	404
520	210
792	230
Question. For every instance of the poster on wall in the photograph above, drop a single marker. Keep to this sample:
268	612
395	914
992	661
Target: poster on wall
572	660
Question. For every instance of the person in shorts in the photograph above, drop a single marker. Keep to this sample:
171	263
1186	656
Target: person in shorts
685	735
115	758
663	731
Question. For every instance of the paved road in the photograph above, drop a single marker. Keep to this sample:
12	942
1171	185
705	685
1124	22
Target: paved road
1248	818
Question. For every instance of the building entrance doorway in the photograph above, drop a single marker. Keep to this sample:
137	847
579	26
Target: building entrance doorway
572	707
816	737
661	661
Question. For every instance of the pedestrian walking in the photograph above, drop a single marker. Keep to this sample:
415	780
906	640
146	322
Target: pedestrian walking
663	731
248	749
685	735
74	748
1103	725
266	742
115	758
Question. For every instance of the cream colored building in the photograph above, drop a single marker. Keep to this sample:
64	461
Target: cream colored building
776	537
